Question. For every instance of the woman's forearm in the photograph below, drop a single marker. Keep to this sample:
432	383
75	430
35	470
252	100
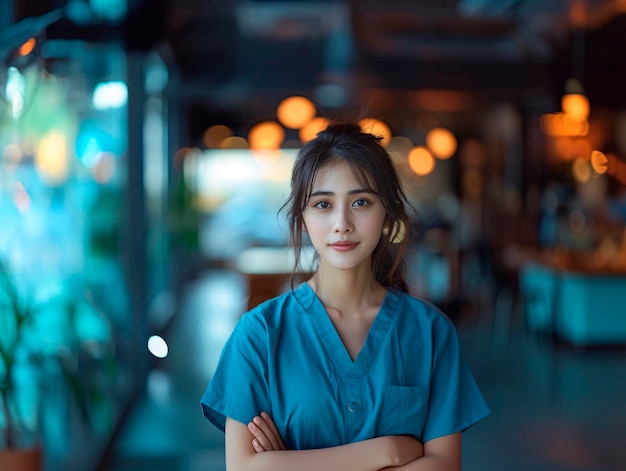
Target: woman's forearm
441	454
426	463
368	455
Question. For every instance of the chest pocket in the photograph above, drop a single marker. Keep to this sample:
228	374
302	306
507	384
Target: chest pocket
403	410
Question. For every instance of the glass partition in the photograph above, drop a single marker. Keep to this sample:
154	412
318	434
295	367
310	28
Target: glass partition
63	136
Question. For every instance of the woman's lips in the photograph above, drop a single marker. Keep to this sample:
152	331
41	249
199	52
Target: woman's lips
344	246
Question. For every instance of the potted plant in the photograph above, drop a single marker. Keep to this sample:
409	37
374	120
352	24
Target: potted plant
28	370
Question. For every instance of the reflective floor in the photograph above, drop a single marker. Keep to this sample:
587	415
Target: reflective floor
555	408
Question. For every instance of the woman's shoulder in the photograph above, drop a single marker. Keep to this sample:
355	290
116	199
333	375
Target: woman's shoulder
411	306
271	311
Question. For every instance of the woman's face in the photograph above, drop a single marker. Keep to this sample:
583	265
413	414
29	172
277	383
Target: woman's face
343	218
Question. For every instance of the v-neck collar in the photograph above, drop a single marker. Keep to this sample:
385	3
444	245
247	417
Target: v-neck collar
330	338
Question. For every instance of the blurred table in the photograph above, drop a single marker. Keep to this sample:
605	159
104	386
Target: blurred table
581	304
268	270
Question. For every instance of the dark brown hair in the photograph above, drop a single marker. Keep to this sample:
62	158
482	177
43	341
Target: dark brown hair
372	164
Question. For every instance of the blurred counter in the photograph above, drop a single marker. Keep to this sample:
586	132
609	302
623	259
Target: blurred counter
268	270
579	298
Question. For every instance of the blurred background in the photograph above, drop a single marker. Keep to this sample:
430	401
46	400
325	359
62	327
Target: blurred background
146	147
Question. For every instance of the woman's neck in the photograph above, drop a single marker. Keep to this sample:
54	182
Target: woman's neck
354	291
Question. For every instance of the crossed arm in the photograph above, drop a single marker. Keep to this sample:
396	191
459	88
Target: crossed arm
258	446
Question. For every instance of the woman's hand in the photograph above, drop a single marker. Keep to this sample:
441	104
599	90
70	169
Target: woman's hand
266	436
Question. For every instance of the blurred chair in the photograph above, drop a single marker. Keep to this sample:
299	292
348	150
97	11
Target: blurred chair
537	290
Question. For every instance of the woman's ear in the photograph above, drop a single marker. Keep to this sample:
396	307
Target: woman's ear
303	227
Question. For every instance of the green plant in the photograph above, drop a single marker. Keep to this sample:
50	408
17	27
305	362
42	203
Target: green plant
74	364
184	218
15	320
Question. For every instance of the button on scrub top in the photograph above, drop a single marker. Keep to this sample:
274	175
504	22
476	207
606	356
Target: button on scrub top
286	358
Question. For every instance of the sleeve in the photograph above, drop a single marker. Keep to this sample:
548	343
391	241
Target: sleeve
239	387
455	401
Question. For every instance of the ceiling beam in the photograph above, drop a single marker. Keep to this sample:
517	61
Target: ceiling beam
18	33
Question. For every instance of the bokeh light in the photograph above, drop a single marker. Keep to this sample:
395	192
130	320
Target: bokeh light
581	170
234	142
576	106
15	90
215	135
113	94
91	142
563	124
377	128
599	162
312	128
296	111
27	47
267	135
158	346
568	148
441	142
51	159
421	161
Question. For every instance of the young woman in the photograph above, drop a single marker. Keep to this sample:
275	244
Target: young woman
346	371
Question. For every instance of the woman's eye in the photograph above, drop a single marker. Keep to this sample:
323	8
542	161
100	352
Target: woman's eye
360	203
322	205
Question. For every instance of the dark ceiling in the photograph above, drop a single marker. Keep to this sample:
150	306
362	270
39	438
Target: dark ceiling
385	52
243	56
390	43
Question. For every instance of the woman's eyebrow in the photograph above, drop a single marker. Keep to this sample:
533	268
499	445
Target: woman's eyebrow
363	190
356	191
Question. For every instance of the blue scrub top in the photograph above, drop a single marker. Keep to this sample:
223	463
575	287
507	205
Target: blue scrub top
286	358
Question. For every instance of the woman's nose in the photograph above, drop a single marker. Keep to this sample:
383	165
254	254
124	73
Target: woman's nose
343	223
